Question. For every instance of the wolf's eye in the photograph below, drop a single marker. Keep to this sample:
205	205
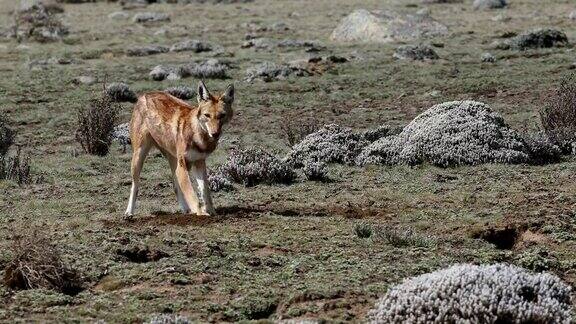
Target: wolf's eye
207	115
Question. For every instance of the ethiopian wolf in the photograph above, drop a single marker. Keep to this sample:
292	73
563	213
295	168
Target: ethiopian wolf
186	135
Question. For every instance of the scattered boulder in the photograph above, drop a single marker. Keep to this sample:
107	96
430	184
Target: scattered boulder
147	50
150	17
36	22
210	69
416	52
441	1
386	26
182	92
295	43
270	72
538	38
572	15
45	63
489	4
120	92
258	43
191	45
119	15
476	293
84	79
450	134
160	72
488	58
169	318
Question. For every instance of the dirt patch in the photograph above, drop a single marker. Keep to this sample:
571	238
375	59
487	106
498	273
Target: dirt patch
529	238
161	218
140	254
503	237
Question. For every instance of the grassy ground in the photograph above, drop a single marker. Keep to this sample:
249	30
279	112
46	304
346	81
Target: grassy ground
281	252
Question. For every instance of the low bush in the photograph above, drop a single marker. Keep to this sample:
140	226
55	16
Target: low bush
96	124
558	116
16	168
252	165
36	263
468	293
6	136
293	130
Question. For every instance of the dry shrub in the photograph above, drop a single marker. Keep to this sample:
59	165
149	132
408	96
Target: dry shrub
293	130
16	168
95	125
559	115
36	263
6	136
251	166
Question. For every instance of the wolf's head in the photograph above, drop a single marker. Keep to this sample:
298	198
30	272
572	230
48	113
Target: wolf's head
214	111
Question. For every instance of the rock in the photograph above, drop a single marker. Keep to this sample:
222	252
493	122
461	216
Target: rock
84	79
386	26
258	43
538	38
501	17
489	4
191	45
451	134
43	64
415	52
210	69
120	92
297	43
26	5
38	23
134	4
146	17
147	50
572	15
182	92
488	58
119	15
159	73
441	1
270	71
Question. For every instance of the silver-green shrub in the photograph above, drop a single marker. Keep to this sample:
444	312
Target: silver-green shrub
450	134
252	165
468	293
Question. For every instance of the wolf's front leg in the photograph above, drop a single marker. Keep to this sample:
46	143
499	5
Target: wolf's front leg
201	176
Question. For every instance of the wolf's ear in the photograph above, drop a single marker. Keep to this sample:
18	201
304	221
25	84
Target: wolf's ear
228	95
203	94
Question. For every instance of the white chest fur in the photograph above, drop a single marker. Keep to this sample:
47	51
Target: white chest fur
193	155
